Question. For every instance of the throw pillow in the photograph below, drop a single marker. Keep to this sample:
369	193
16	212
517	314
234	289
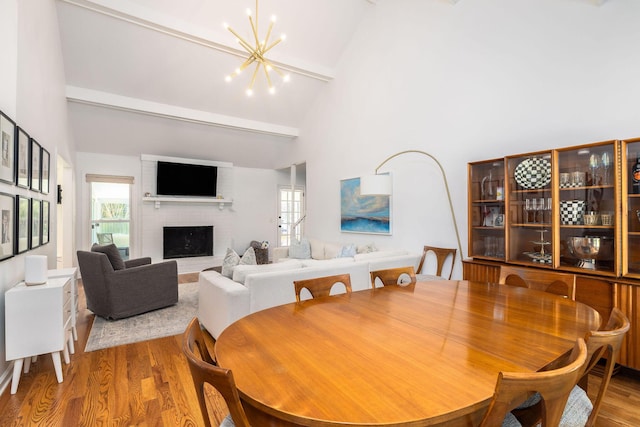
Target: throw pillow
248	257
347	251
332	250
365	249
231	259
112	252
300	250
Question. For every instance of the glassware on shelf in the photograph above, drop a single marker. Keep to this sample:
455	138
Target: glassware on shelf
594	168
546	219
605	161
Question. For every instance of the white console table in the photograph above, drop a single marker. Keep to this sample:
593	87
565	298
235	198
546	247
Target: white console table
38	321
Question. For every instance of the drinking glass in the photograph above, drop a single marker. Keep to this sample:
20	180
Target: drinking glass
540	206
605	161
527	209
594	166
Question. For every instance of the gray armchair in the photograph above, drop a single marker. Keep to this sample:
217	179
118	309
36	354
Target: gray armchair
116	289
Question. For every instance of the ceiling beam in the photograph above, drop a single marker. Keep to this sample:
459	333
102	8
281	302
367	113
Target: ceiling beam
172	112
146	18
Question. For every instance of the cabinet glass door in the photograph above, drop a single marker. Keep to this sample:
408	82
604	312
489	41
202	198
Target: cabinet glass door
486	205
530	207
631	207
587	206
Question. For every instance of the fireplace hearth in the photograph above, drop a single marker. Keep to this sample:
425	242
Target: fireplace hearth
187	241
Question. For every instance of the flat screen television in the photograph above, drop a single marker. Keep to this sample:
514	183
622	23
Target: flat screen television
182	179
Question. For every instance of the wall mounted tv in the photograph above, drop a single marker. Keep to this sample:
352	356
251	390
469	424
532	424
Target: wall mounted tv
187	180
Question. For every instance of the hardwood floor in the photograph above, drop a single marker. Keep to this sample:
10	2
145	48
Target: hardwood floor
149	384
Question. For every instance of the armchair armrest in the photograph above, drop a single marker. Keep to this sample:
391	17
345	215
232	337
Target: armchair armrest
137	262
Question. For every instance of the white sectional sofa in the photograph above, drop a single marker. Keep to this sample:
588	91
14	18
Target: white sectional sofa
224	300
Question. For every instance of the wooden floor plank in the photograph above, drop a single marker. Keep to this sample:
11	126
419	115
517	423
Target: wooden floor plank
149	384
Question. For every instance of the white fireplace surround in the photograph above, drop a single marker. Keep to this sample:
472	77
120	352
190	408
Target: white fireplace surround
177	213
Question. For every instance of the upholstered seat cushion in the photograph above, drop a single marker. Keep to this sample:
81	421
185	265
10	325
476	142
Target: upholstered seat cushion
112	252
578	408
511	421
227	422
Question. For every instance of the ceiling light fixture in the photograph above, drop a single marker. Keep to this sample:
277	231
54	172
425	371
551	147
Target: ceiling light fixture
257	54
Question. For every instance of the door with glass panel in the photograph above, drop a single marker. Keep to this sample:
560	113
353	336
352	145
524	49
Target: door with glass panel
111	215
291	215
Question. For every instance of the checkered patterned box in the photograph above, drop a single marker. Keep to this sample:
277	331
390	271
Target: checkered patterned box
571	212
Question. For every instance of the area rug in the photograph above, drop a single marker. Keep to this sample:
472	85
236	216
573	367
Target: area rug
155	324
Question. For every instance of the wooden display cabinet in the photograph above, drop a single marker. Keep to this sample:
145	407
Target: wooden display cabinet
630	211
588	196
530	209
487	209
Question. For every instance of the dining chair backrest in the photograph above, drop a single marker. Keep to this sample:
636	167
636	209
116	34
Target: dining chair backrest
605	342
513	388
400	276
555	282
204	370
441	256
321	286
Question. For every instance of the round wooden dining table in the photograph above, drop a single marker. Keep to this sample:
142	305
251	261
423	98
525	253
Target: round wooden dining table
421	355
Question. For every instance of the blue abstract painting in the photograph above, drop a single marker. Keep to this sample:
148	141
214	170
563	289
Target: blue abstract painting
363	214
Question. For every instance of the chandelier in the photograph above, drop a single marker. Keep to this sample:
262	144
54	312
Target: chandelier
257	54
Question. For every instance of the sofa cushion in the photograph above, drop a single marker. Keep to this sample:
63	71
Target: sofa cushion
240	272
326	262
300	249
249	257
112	252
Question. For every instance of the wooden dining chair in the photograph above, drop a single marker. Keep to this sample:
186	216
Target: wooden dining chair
321	286
204	370
555	386
441	256
400	276
555	282
580	409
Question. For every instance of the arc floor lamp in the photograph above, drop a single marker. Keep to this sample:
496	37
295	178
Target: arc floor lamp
380	184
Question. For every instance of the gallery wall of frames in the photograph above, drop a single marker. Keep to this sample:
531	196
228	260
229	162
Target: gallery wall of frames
25	213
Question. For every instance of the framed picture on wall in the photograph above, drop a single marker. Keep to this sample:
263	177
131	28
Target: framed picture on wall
45	222
22	226
7	213
35	223
45	172
23	162
36	164
363	214
8	143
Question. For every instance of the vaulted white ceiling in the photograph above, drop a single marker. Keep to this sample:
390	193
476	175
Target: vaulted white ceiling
147	76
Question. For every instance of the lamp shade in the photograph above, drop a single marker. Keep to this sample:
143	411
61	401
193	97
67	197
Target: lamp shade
375	185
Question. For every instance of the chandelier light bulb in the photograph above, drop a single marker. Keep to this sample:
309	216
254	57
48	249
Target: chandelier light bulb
273	18
225	25
248	12
272	90
269	68
227	79
283	36
249	92
286	78
238	71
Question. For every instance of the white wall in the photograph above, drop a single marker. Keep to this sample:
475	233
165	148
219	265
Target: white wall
250	217
470	81
32	93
